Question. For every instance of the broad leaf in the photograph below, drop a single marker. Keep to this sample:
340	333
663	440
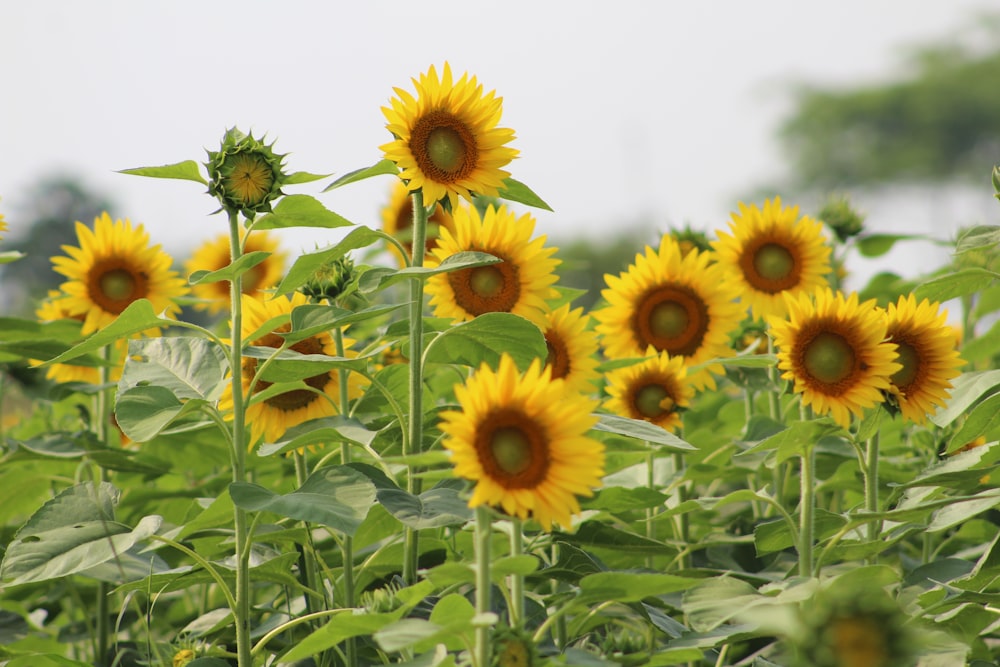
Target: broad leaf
189	170
441	506
305	265
230	271
516	191
301	211
876	245
378	169
380	278
955	284
143	412
138	317
630	586
187	367
324	430
485	338
641	430
967	389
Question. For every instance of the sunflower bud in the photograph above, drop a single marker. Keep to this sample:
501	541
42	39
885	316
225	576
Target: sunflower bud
330	281
245	174
839	216
183	657
513	648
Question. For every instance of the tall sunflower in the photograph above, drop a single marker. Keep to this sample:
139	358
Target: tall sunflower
273	416
447	142
655	390
926	349
835	351
572	348
113	267
213	255
522	439
668	301
397	221
772	252
519	284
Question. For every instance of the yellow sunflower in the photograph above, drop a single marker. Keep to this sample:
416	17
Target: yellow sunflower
397	221
114	267
447	142
271	417
519	284
926	349
214	255
522	439
572	349
835	351
52	308
668	301
655	390
773	252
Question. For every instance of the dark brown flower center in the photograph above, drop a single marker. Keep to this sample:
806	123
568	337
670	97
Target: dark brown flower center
770	267
558	356
297	398
486	289
828	358
671	317
653	401
513	449
444	147
114	285
910	359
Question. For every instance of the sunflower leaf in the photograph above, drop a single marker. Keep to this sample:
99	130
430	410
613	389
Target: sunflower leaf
982	236
323	430
517	191
306	264
301	211
983	418
299	177
138	317
188	367
9	256
188	170
967	388
641	430
876	245
379	278
237	268
955	284
485	338
379	168
441	506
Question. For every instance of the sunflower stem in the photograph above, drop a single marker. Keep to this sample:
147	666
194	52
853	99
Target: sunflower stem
347	545
774	412
870	470
241	613
416	430
483	583
806	500
516	580
650	513
102	415
683	524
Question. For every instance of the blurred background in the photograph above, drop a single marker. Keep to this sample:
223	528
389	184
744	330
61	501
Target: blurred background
631	117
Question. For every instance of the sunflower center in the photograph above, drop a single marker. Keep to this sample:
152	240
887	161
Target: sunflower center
859	643
117	284
444	147
770	266
910	359
558	356
671	318
250	178
513	449
113	285
828	358
297	398
773	262
486	289
652	401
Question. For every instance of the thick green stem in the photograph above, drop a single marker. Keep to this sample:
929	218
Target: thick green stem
516	580
102	416
241	613
347	545
683	523
483	650
416	408
806	500
774	412
870	470
650	511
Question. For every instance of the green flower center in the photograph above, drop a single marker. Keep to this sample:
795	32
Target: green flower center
511	449
446	149
653	401
117	284
773	262
910	360
486	281
669	320
829	358
249	180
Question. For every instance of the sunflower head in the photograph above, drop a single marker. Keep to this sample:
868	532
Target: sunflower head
446	139
655	390
245	174
925	346
572	348
330	281
397	221
214	254
835	351
521	437
513	647
845	221
183	657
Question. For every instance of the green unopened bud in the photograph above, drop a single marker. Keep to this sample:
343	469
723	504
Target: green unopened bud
839	216
331	281
691	240
245	174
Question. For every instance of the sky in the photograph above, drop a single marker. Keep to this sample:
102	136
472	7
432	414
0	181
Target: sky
663	112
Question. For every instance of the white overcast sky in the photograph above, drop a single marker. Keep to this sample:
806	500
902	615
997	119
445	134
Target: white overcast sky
663	111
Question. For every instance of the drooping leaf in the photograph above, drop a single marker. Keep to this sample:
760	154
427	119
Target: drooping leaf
441	506
301	211
641	430
137	317
379	168
963	509
288	365
309	320
983	418
796	439
516	191
188	170
299	177
188	367
630	586
967	388
485	338
974	238
230	271
143	412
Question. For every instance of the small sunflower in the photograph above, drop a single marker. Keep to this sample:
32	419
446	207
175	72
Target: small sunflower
397	221
836	353
926	348
773	252
522	439
655	390
273	416
214	255
114	267
670	302
572	348
447	142
519	284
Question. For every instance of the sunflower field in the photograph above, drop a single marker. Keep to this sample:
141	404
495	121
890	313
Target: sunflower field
410	447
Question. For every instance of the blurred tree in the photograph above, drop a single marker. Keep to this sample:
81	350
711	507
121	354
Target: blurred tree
939	123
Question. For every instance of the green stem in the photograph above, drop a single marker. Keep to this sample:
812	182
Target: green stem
483	532
416	408
683	523
516	580
650	511
774	412
241	613
102	416
347	545
808	483
870	470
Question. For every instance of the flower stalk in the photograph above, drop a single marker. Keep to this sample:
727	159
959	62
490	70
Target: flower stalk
483	530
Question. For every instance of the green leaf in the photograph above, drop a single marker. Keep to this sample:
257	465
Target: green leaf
306	264
8	256
955	284
876	245
641	430
138	317
441	506
983	347
188	367
963	509
309	320
597	534
379	168
796	439
379	278
72	532
230	271
189	170
337	497
485	338
741	361
617	499
513	190
340	627
143	412
771	536
974	238
59	445
324	430
959	470
301	211
208	662
967	388
630	586
981	419
299	177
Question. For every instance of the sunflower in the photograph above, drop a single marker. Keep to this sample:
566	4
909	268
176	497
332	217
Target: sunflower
53	308
114	267
926	349
835	350
572	348
655	390
522	439
447	142
214	254
670	302
271	417
519	284
397	221
773	252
